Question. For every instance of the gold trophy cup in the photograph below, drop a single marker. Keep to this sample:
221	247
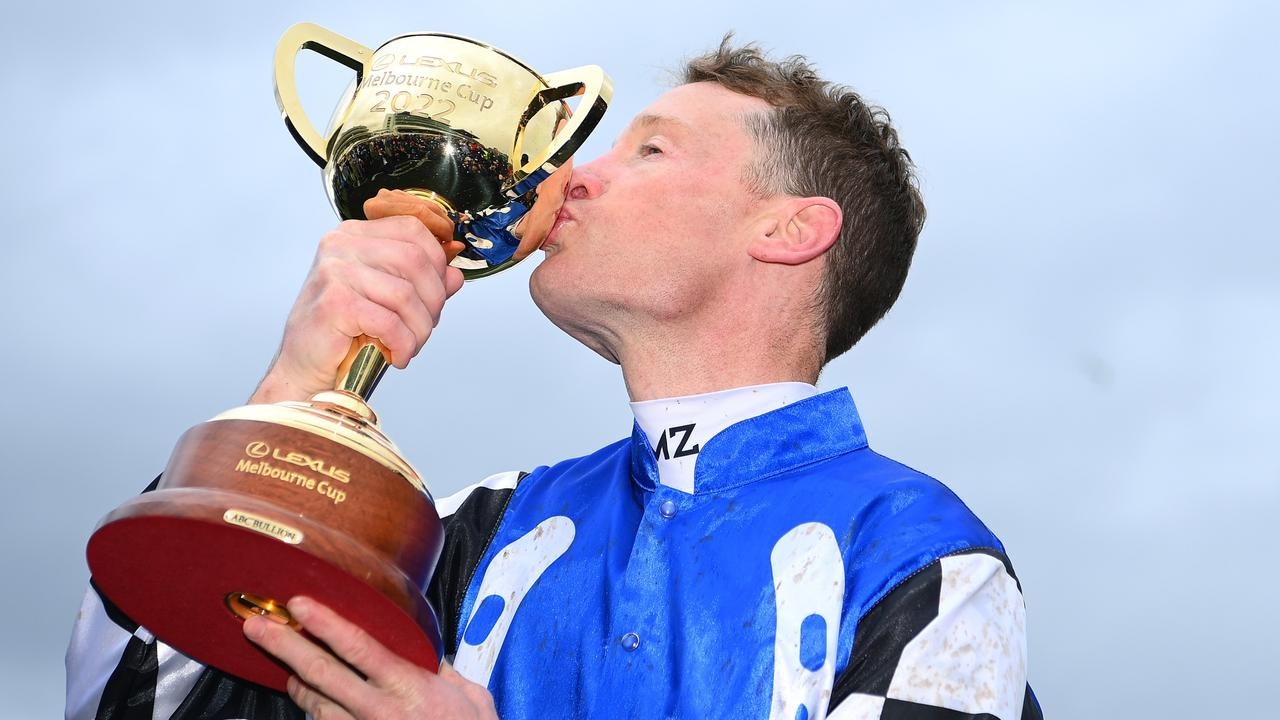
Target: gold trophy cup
265	502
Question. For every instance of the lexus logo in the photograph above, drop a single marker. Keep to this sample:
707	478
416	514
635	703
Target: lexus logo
257	449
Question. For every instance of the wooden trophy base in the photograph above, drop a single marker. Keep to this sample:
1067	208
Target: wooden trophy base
259	505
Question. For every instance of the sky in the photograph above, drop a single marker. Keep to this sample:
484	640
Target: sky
1085	349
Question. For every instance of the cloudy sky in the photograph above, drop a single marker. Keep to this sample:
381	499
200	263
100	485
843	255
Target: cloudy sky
1085	350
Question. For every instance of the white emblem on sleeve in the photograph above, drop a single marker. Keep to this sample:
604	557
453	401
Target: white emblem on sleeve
506	582
808	584
973	656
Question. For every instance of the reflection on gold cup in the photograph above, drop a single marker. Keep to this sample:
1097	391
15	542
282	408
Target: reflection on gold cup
265	502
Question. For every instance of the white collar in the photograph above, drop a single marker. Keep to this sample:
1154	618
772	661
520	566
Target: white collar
678	427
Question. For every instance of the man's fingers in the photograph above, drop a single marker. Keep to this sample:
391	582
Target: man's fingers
365	317
409	262
476	694
387	278
313	702
416	306
397	203
359	300
393	203
328	680
402	228
402	257
452	248
315	667
388	203
452	279
449	675
349	642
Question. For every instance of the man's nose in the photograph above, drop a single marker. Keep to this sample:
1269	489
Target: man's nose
584	183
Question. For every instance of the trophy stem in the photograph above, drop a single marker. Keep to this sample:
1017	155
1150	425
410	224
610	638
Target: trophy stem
367	360
363	367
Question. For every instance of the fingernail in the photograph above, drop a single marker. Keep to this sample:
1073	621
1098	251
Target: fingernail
300	607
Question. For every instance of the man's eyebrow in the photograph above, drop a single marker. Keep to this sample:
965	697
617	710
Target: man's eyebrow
651	120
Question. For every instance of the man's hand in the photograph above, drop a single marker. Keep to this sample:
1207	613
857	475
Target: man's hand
387	277
327	688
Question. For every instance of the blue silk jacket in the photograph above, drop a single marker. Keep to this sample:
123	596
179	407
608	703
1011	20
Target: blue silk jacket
606	594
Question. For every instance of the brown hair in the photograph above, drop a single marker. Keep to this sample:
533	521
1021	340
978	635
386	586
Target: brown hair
822	139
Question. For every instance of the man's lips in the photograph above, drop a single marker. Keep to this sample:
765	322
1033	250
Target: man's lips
564	216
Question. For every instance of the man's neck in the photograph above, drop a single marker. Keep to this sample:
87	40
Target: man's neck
663	370
735	337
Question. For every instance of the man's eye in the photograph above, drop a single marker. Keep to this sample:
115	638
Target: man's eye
648	149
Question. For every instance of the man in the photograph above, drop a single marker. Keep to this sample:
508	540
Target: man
743	553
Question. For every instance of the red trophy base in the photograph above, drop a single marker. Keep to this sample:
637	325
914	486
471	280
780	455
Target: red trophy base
257	507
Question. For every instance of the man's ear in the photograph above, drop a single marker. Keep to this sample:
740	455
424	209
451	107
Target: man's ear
800	230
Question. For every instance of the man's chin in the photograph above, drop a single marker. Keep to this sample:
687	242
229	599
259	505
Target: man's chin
553	271
540	288
558	296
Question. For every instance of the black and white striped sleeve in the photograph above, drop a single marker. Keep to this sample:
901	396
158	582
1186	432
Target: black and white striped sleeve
948	643
471	517
117	670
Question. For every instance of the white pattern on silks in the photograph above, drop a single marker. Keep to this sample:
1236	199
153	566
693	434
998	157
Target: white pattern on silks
97	645
176	674
510	575
94	651
973	656
808	579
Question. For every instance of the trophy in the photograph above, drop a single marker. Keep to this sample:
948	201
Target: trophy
265	502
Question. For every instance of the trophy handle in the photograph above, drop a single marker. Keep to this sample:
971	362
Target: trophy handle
589	81
309	36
